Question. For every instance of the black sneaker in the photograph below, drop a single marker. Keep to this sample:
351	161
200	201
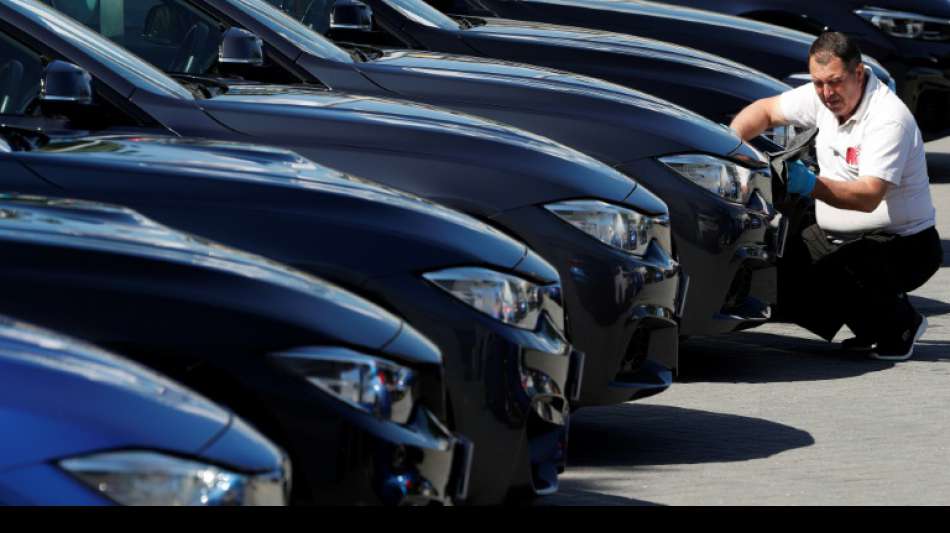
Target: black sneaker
857	344
901	349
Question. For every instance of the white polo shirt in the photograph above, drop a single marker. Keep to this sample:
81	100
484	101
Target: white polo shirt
881	140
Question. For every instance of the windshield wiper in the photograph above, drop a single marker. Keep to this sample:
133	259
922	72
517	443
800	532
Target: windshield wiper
204	87
23	139
464	22
362	52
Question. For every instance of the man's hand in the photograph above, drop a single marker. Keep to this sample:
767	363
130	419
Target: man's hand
758	117
801	180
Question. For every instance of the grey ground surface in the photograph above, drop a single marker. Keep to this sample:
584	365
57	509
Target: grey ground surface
777	416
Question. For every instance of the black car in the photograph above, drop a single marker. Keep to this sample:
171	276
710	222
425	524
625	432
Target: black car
349	390
721	222
911	38
712	86
775	50
86	427
608	237
505	356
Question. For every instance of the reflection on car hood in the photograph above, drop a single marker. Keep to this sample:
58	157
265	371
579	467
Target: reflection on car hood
250	161
617	43
688	14
63	397
95	226
648	112
380	110
933	8
308	186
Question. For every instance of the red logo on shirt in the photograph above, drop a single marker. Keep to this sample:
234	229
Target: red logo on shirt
852	156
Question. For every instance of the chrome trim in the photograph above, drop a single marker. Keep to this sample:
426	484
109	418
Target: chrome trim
578	359
683	294
465	450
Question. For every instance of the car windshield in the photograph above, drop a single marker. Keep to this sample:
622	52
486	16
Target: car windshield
301	27
132	68
316	13
422	13
171	34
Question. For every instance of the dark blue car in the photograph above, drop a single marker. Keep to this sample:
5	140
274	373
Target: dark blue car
607	235
81	426
493	306
911	38
351	392
775	50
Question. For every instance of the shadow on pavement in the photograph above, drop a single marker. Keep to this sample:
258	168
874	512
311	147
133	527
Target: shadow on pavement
928	306
578	492
642	435
749	357
946	248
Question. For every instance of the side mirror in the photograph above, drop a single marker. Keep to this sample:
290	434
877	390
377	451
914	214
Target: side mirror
65	84
351	15
241	47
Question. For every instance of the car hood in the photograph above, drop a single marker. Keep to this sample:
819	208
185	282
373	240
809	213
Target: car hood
81	225
64	398
369	110
590	98
618	43
343	130
311	200
689	14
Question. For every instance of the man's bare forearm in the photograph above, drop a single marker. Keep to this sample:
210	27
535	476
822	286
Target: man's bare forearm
752	120
862	195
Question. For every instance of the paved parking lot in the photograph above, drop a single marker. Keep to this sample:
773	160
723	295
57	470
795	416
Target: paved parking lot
777	416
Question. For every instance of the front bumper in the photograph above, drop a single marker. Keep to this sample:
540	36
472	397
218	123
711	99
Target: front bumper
518	431
620	308
342	455
726	250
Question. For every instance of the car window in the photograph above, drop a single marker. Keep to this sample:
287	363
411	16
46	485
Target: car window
284	18
170	34
137	72
20	73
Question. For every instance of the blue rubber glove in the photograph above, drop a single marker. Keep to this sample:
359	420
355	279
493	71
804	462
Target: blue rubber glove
800	179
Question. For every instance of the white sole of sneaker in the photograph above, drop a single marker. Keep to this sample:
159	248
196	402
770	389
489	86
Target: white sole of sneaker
920	333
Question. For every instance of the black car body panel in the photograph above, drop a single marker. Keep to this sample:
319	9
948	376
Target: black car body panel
373	240
477	166
613	123
213	318
104	403
777	51
921	68
710	85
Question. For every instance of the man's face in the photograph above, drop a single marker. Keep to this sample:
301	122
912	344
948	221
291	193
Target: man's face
838	87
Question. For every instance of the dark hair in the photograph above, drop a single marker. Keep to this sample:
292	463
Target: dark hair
838	45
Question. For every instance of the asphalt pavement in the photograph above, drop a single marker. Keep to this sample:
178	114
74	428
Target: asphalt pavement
778	416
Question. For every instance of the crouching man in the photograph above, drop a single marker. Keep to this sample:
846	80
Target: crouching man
875	239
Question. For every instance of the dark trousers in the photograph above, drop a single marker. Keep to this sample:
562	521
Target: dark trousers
862	282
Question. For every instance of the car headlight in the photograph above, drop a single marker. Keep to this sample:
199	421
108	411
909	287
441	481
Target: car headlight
510	299
371	384
151	478
906	25
718	176
619	227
